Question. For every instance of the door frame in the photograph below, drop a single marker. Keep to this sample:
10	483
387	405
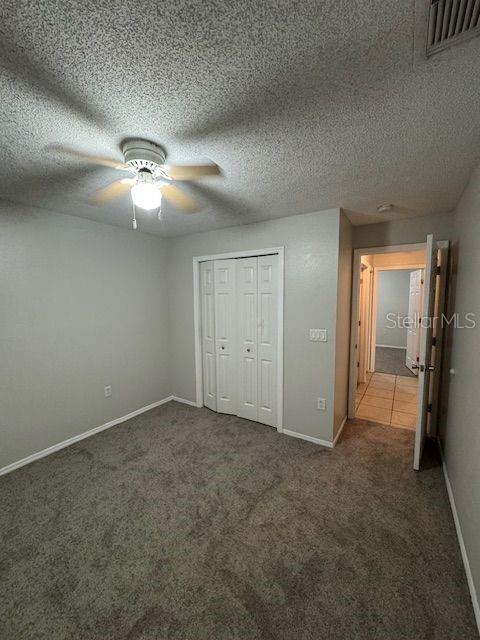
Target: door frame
357	256
250	253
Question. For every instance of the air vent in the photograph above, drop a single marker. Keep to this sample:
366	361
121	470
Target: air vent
451	22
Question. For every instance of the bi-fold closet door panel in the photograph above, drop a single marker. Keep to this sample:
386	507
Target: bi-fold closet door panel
207	300
225	335
241	378
267	278
247	336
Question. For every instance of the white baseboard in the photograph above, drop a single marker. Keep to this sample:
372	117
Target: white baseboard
339	432
301	436
389	346
461	542
191	403
80	436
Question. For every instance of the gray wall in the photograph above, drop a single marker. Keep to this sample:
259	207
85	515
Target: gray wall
403	231
342	336
460	432
392	297
82	305
311	265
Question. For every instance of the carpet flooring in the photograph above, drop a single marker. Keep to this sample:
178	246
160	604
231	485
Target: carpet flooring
388	360
185	524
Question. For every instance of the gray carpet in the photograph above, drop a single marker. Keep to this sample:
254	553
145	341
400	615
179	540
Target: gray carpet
185	524
388	360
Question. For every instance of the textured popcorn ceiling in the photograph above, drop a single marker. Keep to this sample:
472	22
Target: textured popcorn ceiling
305	105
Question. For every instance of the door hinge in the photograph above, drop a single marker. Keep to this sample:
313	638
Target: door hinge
439	270
434	341
359	323
358	364
429	408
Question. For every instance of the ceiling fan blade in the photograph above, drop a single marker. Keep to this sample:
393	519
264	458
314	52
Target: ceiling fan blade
191	171
114	190
91	159
176	196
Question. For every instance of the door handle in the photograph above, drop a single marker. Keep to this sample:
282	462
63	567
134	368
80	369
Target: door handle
429	368
222	347
415	366
248	350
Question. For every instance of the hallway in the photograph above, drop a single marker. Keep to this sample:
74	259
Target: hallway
388	399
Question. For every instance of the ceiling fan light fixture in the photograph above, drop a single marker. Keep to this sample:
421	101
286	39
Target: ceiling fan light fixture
146	194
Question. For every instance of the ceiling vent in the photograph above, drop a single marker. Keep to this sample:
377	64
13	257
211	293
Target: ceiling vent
451	22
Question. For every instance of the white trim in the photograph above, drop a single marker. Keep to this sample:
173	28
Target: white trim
80	436
191	403
301	436
394	248
461	542
280	251
403	267
247	253
389	346
339	432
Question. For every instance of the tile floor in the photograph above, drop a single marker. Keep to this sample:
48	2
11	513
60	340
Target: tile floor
388	399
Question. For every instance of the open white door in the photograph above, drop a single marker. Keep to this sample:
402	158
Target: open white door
428	311
414	314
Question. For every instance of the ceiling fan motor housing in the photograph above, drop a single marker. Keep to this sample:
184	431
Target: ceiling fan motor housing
145	156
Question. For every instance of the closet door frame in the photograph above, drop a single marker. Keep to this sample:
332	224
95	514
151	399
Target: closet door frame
280	251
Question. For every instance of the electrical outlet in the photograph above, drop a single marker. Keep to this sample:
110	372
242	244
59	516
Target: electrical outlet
108	391
318	335
321	405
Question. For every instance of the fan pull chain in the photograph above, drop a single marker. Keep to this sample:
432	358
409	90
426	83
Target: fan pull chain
134	219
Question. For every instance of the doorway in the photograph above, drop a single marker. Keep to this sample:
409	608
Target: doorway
238	303
395	351
391	287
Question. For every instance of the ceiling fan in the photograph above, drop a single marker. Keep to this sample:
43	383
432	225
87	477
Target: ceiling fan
150	178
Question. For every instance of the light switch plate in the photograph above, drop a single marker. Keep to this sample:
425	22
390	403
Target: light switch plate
318	335
321	404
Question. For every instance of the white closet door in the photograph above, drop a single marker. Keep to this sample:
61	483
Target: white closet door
225	335
208	335
247	337
267	278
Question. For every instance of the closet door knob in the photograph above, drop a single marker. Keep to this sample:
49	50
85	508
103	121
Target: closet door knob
223	346
248	350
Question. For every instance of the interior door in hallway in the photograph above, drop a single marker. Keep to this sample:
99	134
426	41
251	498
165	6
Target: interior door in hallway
225	335
414	315
424	371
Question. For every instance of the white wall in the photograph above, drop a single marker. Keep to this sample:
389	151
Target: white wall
403	231
82	305
460	430
392	298
342	336
311	265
